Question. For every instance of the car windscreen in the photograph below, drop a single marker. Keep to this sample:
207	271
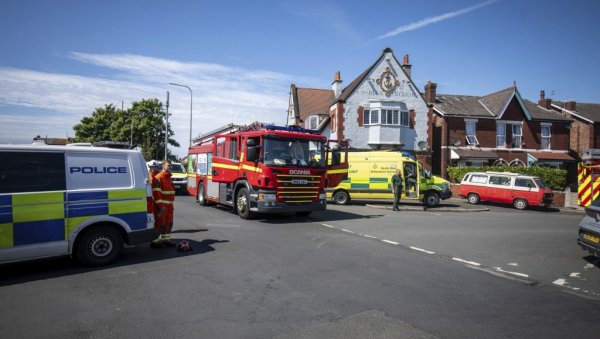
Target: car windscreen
177	168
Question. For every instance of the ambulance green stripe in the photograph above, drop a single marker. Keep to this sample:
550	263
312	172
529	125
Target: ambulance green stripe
378	179
6	235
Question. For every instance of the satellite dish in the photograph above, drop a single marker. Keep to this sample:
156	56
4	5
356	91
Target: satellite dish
423	145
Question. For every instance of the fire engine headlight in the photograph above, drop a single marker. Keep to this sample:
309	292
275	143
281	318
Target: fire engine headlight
322	196
267	196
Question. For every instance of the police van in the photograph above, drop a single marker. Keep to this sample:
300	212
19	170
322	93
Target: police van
85	202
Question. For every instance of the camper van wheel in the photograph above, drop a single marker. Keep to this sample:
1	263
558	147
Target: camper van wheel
341	198
201	196
432	199
99	246
473	198
242	204
520	204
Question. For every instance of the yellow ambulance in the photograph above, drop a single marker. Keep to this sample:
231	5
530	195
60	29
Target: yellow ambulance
370	177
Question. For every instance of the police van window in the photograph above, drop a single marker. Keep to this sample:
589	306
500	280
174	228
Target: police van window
32	172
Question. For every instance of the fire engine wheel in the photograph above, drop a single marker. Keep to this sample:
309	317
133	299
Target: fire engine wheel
432	199
520	204
242	205
341	198
473	198
99	246
201	196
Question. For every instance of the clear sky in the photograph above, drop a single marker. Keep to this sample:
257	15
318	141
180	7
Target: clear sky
61	59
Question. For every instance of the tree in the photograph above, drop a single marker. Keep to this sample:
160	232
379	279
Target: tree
147	118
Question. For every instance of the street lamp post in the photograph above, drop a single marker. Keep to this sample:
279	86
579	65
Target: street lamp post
191	95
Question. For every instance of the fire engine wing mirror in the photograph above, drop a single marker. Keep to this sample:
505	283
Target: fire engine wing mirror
253	153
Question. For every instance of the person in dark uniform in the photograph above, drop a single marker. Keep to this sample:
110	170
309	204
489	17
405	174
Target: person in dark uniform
397	184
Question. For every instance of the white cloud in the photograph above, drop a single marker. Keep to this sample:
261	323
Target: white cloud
432	20
55	102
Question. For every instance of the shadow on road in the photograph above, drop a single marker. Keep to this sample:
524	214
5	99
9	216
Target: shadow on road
593	260
17	273
327	215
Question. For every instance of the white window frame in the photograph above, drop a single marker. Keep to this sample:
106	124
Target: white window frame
471	138
514	135
394	114
310	120
546	140
501	137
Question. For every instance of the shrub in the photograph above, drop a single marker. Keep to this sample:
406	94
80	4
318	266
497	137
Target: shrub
554	178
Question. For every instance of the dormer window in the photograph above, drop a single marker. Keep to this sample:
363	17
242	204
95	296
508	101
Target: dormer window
312	122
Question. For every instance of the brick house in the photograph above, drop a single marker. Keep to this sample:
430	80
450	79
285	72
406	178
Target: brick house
500	128
380	109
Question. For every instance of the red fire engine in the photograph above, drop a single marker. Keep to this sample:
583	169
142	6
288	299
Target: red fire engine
588	174
267	169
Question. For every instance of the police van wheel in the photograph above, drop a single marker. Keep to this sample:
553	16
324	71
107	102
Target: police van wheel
201	196
99	246
341	198
242	204
431	199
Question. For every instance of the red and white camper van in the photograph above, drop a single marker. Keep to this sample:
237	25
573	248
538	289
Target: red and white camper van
505	187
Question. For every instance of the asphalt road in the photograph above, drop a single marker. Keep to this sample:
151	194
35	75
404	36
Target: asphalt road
350	272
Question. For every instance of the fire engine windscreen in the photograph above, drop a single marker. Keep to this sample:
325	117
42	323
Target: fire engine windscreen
296	152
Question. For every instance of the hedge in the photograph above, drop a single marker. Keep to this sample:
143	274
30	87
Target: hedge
554	178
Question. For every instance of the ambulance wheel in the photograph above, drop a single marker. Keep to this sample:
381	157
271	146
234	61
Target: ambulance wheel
201	196
520	204
432	199
242	204
99	246
473	198
341	198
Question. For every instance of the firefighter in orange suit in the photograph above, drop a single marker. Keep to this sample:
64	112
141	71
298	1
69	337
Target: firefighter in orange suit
165	205
155	185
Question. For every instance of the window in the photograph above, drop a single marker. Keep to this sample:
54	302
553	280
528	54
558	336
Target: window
389	117
220	147
404	118
32	172
501	135
517	135
546	135
233	149
479	179
312	122
471	128
524	182
498	180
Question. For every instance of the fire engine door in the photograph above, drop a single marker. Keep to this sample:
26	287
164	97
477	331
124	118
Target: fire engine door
337	162
225	166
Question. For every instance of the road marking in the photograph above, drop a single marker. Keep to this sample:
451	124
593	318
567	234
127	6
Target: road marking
466	262
422	250
513	264
575	275
560	282
369	236
345	230
327	225
390	242
499	269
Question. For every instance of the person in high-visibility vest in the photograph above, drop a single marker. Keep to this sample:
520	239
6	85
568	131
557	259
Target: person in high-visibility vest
165	206
155	185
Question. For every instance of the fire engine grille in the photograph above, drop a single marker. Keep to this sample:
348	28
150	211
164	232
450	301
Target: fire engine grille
297	188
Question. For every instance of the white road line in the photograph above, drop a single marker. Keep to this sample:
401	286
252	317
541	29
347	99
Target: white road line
560	282
422	250
499	269
327	225
345	230
390	242
575	275
369	236
467	262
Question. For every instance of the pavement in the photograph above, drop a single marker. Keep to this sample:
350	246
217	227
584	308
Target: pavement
451	205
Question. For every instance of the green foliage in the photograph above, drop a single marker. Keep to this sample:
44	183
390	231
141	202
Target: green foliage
554	178
142	124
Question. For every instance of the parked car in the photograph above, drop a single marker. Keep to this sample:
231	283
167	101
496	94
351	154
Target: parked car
589	229
505	187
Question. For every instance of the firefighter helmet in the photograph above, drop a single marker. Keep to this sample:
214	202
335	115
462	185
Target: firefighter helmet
184	246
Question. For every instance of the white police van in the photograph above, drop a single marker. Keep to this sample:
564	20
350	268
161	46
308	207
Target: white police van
80	201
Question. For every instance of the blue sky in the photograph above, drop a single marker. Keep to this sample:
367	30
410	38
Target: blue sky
62	59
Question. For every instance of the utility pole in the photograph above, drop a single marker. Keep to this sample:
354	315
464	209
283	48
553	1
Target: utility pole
167	127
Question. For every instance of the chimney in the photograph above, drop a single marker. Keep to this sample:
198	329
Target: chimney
543	102
337	85
430	92
406	66
570	105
